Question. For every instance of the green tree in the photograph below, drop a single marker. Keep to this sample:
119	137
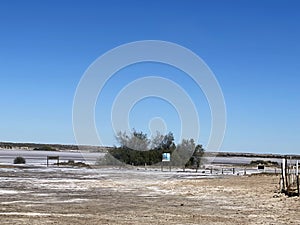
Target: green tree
168	141
188	155
197	157
136	148
183	153
156	141
135	140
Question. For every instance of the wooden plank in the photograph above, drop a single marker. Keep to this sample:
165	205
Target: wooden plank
53	157
283	175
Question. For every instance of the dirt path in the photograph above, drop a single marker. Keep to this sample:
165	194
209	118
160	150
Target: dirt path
73	196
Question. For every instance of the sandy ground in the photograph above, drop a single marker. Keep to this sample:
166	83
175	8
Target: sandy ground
113	196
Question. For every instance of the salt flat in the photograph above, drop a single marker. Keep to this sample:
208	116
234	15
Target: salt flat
131	196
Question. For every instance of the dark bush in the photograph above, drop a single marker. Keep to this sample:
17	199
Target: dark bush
19	160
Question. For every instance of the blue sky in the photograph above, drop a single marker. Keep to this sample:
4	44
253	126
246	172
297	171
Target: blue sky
253	48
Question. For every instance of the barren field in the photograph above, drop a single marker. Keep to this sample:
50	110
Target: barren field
113	196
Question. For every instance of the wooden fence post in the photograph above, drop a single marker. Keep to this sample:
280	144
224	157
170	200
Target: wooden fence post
283	175
297	177
286	174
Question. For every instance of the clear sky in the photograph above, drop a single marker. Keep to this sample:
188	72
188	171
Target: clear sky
253	48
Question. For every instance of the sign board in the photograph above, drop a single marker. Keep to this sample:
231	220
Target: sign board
261	167
166	157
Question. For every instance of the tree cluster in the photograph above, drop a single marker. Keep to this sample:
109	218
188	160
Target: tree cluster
137	149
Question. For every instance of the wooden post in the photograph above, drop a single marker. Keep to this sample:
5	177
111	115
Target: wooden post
298	188
233	170
283	175
297	177
286	174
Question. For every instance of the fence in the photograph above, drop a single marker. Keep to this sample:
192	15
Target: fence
289	181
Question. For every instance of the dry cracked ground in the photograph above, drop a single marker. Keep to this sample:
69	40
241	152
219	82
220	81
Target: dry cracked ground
113	196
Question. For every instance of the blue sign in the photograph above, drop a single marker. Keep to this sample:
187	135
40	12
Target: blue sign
166	157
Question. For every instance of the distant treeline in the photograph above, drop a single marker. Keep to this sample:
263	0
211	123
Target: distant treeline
10	145
251	155
48	147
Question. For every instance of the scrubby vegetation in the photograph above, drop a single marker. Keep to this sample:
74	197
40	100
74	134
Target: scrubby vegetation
19	160
136	157
137	149
45	148
264	162
74	164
